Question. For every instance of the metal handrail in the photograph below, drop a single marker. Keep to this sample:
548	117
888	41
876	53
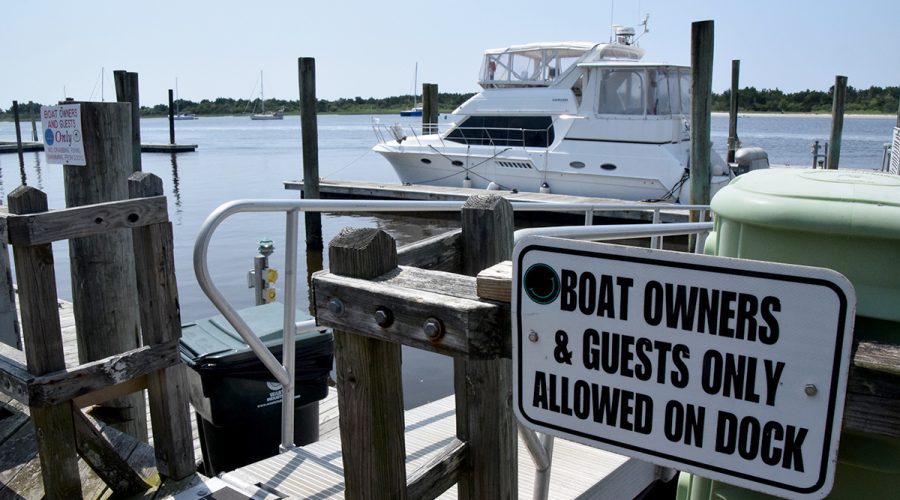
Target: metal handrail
291	207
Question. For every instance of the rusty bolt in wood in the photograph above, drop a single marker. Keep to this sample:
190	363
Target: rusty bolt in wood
433	328
336	306
384	317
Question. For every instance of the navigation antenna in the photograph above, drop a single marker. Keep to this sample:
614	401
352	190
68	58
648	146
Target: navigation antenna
646	29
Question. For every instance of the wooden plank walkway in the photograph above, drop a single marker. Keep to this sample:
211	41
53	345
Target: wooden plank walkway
316	470
388	191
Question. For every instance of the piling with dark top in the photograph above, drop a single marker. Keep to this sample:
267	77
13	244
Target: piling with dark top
103	276
171	118
18	134
309	133
733	110
701	95
429	108
34	132
370	390
837	123
484	418
127	91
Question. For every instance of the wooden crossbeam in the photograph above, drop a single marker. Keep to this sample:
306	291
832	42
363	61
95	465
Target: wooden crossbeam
87	220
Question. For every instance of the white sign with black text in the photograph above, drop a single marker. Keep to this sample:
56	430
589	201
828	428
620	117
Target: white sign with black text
732	369
63	142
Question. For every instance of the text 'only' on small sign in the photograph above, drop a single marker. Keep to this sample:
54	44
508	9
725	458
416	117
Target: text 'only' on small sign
732	369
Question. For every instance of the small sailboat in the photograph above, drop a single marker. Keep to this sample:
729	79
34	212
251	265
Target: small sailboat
416	109
178	114
263	114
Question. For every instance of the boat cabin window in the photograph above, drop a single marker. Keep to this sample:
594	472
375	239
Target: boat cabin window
621	92
660	91
638	91
513	131
684	77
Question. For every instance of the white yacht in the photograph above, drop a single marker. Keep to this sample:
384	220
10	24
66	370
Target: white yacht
573	118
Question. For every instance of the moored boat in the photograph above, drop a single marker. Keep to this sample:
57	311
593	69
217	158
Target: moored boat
579	118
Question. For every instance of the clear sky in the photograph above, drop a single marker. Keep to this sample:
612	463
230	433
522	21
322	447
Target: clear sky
370	49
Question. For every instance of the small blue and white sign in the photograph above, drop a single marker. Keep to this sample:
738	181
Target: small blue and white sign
62	134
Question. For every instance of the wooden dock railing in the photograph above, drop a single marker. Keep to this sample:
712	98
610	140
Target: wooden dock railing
55	393
374	306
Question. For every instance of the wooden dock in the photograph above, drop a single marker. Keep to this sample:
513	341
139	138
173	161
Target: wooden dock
419	192
316	470
27	146
20	468
168	148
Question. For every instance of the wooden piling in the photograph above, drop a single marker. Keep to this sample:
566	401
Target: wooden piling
15	106
370	391
171	118
837	123
484	413
44	352
701	96
309	133
34	132
733	110
103	279
429	108
161	323
127	91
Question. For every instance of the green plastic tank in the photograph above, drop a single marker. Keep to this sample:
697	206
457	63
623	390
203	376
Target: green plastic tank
845	220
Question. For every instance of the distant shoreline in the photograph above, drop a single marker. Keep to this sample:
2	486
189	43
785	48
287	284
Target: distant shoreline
805	115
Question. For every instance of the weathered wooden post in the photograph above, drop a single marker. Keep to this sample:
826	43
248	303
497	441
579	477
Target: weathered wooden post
171	118
484	413
701	97
44	352
127	91
837	123
309	132
103	279
733	110
161	323
370	391
34	132
429	108
18	134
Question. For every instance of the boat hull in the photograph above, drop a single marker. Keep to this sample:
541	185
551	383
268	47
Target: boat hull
652	174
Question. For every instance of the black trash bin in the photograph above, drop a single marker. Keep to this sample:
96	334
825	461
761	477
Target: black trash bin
237	400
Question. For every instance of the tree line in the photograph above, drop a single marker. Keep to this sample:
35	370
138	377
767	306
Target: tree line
872	100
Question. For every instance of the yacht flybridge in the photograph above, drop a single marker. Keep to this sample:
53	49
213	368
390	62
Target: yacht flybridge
573	118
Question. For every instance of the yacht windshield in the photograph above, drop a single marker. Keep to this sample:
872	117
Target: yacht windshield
528	66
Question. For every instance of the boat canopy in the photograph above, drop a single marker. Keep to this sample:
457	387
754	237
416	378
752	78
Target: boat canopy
540	64
531	65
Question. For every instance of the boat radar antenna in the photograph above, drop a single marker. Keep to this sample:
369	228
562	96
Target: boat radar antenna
646	28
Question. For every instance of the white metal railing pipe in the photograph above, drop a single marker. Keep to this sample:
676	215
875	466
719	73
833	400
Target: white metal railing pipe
599	233
285	373
288	352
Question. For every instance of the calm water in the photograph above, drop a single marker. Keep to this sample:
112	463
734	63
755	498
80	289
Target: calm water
239	158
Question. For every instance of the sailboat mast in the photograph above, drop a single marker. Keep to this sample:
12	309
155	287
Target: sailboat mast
415	84
262	94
